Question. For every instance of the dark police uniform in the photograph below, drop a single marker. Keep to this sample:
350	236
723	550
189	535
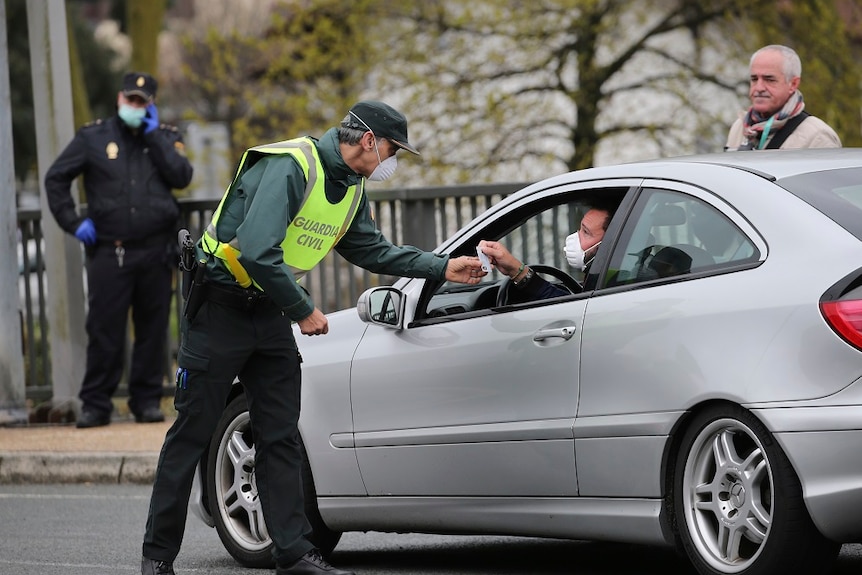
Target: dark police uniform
249	334
128	177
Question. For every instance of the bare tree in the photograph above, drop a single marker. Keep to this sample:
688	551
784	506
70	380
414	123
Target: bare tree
508	89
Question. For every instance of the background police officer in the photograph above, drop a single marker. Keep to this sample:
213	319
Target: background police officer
130	163
273	224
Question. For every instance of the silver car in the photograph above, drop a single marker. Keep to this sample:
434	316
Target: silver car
700	386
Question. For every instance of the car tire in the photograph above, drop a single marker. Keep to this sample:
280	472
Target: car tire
233	498
737	502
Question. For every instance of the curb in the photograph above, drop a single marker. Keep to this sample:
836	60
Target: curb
21	467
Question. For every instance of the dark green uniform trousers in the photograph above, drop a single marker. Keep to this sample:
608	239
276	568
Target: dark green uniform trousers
257	345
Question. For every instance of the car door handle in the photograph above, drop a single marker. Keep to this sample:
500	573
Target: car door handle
564	332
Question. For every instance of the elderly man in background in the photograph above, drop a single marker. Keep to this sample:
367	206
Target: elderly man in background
777	118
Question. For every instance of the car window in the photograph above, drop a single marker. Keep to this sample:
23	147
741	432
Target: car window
836	193
540	240
672	234
535	234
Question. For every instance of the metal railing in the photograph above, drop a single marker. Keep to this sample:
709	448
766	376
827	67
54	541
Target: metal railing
422	217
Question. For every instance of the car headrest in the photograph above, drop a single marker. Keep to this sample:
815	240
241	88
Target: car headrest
667	215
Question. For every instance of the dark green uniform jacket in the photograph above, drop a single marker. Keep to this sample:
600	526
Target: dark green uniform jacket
267	196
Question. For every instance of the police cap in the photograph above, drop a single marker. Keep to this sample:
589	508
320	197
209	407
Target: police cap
382	119
140	84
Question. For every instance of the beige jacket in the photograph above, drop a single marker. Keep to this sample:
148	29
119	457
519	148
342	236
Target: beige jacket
811	133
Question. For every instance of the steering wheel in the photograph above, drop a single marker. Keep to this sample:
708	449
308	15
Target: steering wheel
568	282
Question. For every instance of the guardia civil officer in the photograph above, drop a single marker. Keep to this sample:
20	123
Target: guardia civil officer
130	163
290	203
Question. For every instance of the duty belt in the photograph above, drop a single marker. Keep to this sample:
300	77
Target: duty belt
248	299
150	241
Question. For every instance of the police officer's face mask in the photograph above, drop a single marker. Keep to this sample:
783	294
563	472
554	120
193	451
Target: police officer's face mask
385	168
132	116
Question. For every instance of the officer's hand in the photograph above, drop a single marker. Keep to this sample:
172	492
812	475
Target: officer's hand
315	324
465	270
151	119
86	232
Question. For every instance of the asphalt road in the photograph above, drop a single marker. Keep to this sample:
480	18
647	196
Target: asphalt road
97	529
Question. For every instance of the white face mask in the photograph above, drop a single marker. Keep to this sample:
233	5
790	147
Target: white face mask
384	169
575	255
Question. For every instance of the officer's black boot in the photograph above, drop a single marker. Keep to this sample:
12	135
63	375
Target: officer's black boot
155	567
312	563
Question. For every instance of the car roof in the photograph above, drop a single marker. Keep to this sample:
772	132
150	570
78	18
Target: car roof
779	164
769	164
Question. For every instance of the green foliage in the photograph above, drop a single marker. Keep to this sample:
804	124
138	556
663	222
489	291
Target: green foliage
101	82
99	78
831	78
21	86
299	77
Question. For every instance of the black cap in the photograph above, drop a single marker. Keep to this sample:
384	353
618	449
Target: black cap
382	119
140	84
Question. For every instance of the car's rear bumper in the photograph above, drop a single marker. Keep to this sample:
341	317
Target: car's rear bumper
823	445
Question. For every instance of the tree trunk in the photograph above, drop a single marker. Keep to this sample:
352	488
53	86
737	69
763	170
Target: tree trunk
80	101
144	19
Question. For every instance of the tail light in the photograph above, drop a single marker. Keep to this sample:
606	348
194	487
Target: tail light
841	305
845	317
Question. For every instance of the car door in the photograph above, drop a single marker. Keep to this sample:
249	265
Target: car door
475	400
474	407
657	328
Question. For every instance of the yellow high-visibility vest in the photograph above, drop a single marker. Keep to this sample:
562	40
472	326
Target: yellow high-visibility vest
314	231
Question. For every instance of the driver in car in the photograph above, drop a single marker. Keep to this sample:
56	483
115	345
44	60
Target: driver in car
580	249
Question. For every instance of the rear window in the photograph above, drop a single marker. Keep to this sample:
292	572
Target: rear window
836	193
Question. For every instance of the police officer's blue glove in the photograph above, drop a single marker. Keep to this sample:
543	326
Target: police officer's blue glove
86	232
151	119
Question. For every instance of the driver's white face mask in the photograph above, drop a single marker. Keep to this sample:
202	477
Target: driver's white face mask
576	255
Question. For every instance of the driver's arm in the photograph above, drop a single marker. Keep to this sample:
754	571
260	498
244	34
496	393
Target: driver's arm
532	286
535	287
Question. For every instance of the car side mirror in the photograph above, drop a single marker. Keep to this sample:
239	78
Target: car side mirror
381	306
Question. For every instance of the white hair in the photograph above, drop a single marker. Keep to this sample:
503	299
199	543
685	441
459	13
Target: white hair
792	65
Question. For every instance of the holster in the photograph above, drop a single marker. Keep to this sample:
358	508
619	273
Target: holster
197	291
188	264
187	277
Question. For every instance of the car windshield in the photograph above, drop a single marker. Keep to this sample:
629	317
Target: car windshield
836	193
